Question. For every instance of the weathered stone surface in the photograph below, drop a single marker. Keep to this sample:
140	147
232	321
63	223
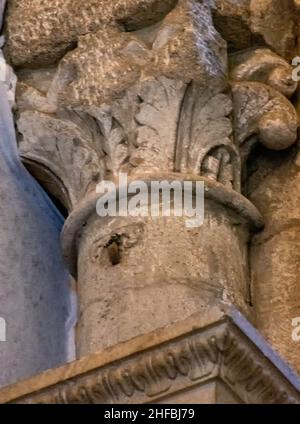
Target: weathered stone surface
150	135
273	187
275	255
232	19
119	103
154	101
209	358
277	22
54	29
144	88
108	62
114	105
261	80
248	23
40	34
164	273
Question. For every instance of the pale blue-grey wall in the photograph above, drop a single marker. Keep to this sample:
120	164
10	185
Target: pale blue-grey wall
34	283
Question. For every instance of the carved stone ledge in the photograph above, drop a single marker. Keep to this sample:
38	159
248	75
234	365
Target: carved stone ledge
204	349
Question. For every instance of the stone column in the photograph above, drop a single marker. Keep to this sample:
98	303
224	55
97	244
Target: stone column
276	254
157	108
136	275
156	103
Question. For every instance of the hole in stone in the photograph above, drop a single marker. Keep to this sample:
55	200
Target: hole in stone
113	249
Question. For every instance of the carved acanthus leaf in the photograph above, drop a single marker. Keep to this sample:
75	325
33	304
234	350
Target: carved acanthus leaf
205	145
64	148
121	95
260	81
157	119
113	140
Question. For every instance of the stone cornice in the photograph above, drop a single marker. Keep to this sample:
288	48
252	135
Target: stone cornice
162	363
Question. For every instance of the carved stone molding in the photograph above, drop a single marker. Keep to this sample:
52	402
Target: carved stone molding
186	355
